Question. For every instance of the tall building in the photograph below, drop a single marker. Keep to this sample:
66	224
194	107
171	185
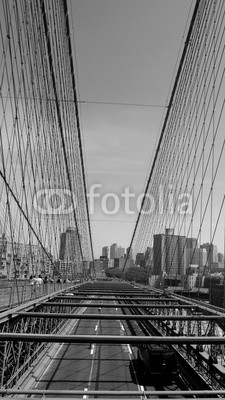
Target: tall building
159	252
175	254
201	257
65	268
69	245
191	251
113	251
169	254
121	252
98	266
139	258
212	252
194	254
105	252
21	260
182	262
130	253
221	260
191	243
149	254
62	248
70	248
149	259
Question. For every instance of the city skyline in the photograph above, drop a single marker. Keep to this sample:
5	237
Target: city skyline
122	110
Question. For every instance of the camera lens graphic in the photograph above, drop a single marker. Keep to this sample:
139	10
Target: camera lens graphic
54	201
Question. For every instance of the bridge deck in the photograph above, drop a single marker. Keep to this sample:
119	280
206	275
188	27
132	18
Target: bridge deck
99	342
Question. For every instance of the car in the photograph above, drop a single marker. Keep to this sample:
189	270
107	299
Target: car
158	360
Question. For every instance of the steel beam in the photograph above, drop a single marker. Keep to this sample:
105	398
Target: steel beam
120	305
113	293
140	395
110	298
120	393
110	339
121	316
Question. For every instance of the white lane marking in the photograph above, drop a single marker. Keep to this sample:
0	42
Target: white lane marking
130	354
92	352
72	326
121	325
92	366
129	349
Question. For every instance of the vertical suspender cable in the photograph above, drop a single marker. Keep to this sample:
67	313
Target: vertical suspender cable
164	124
77	120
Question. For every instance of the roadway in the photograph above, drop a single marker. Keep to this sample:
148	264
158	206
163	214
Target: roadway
96	366
100	366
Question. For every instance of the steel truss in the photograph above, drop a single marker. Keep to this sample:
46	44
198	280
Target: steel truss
204	360
16	356
110	339
115	393
121	305
147	317
27	330
136	298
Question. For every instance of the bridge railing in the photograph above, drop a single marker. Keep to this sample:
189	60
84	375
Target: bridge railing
14	295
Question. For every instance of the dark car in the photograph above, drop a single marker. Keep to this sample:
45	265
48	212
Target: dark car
158	360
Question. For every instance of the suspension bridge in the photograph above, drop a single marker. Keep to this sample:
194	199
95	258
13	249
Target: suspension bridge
98	337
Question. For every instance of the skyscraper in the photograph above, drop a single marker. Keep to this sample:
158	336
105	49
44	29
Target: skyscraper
159	251
130	253
169	254
70	248
139	258
105	252
121	252
192	253
113	251
212	252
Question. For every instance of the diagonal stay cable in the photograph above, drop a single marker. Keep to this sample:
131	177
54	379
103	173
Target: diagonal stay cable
22	211
164	124
50	59
77	120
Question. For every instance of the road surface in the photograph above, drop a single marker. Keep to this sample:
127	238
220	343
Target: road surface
96	366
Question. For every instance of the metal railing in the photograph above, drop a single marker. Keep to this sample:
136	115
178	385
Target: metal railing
14	295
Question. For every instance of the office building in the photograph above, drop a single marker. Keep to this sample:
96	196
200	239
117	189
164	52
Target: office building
159	252
105	252
130	256
212	252
140	258
221	260
113	251
21	260
169	254
121	252
99	266
70	248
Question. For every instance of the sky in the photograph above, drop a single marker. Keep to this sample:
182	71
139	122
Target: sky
126	51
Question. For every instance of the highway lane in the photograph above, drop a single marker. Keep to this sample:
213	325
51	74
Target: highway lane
96	367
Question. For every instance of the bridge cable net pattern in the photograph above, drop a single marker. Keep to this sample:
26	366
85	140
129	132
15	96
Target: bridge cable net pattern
43	186
185	188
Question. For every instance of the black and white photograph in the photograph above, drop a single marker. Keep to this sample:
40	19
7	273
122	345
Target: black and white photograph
112	199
